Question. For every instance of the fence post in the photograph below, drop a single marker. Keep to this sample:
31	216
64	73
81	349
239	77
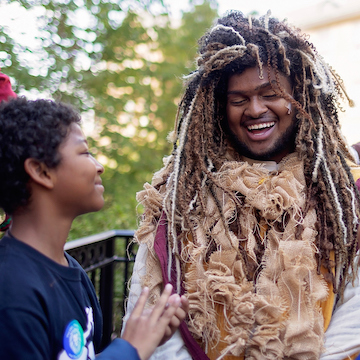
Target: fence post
106	293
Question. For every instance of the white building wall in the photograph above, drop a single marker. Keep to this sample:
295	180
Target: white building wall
334	29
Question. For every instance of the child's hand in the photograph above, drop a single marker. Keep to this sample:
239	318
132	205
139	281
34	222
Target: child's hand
146	328
177	318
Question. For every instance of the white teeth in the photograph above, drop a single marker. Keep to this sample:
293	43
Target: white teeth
261	126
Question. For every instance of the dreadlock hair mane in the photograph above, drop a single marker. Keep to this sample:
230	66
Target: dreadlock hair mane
201	144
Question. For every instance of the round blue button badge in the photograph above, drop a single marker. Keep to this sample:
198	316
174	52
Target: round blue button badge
73	340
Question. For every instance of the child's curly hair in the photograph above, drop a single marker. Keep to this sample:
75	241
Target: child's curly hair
29	129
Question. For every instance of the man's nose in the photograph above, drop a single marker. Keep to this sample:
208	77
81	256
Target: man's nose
255	108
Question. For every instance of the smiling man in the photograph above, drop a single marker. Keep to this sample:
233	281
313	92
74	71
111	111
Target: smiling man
261	124
254	215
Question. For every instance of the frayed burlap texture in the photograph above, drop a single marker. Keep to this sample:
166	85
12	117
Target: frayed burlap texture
276	315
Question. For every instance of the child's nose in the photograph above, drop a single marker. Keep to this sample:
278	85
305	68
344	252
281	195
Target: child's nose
100	169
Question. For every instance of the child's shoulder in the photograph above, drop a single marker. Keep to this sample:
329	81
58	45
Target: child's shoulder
19	276
25	272
16	258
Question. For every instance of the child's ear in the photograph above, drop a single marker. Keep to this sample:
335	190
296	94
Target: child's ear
39	172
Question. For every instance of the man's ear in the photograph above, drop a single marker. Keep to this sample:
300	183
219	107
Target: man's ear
39	172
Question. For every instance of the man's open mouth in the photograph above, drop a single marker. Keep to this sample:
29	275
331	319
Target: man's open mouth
261	126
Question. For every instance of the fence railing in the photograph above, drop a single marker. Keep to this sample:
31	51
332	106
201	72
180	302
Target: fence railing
107	258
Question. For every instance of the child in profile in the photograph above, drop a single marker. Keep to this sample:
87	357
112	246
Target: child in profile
48	306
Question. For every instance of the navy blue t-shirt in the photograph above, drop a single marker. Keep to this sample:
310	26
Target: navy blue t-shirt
48	311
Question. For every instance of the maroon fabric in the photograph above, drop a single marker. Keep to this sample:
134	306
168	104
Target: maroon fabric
160	247
357	183
357	147
6	91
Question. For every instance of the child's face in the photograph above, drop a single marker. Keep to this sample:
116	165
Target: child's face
77	188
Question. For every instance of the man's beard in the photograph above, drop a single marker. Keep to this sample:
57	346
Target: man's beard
285	142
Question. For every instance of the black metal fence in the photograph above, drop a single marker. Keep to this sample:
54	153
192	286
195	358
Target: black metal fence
108	259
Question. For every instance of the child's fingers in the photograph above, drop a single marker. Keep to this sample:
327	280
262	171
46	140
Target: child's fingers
181	311
161	303
139	306
170	312
180	314
185	303
172	299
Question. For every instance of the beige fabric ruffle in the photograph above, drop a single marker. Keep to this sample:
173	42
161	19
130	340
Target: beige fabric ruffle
275	316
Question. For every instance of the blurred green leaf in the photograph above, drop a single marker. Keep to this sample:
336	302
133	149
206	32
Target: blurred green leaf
121	64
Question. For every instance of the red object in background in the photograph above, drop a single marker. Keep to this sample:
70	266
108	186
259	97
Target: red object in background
6	91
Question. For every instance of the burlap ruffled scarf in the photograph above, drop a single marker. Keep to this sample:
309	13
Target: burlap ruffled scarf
276	315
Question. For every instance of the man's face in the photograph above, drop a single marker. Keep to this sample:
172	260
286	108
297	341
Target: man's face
260	125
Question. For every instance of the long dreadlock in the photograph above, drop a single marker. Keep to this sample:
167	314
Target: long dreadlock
232	45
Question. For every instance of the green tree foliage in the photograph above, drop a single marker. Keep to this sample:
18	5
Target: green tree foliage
123	68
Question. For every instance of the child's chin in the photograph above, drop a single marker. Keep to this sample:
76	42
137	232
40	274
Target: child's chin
95	208
98	208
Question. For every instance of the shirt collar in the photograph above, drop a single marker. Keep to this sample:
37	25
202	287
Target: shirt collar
269	165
